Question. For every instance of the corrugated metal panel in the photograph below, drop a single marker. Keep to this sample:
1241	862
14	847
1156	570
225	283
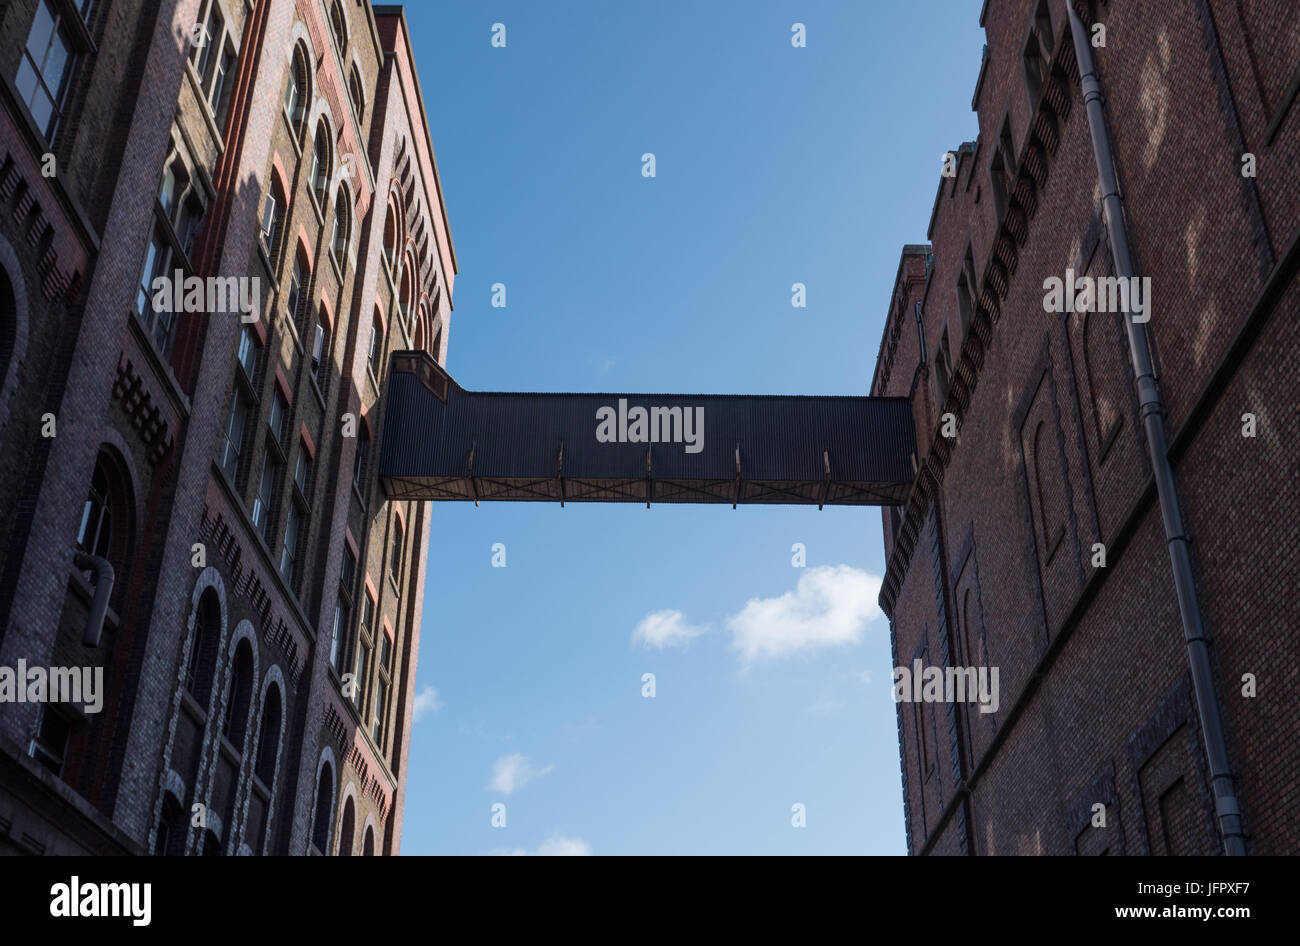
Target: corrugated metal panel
510	444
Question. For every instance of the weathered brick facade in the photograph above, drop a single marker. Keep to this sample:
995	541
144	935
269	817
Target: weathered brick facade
991	562
259	646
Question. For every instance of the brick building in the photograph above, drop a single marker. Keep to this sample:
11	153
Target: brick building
189	501
1033	539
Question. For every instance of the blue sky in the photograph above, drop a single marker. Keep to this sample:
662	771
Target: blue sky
774	165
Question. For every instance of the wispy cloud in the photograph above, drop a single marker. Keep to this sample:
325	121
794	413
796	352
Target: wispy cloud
554	846
426	702
607	365
512	772
664	629
830	607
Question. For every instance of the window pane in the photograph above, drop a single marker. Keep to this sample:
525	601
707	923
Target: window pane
247	353
38	40
26	81
336	640
262	504
363	660
55	64
217	99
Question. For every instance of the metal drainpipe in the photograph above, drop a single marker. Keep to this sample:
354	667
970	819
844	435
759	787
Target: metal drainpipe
99	604
1152	413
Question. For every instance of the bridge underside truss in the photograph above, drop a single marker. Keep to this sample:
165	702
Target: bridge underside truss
443	443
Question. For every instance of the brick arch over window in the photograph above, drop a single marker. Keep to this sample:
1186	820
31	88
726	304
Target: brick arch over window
204	638
108	515
232	721
348	822
368	837
263	762
298	85
322	161
322	803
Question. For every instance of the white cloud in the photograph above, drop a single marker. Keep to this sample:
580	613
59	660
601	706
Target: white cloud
555	846
830	607
664	629
512	772
426	701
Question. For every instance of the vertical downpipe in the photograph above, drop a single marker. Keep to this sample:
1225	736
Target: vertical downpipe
1151	411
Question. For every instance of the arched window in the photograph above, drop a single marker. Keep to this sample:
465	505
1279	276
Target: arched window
357	94
406	293
368	849
211	844
390	235
320	835
395	551
273	218
376	352
338	25
170	840
268	737
96	516
421	320
437	343
296	93
106	515
347	829
361	462
342	227
320	352
203	652
296	298
320	165
235	725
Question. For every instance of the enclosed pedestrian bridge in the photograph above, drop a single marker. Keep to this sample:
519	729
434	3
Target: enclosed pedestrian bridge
441	442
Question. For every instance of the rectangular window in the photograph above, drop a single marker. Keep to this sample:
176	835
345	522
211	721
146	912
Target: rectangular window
51	742
336	638
367	611
279	418
348	573
295	295
289	553
233	442
155	309
359	465
302	472
363	662
386	653
265	494
45	68
380	713
217	94
270	223
318	354
395	553
248	353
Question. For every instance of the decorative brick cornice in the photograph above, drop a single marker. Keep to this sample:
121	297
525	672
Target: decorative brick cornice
1054	106
150	424
278	635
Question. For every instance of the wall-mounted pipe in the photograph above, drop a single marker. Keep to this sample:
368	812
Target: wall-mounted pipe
1151	411
104	578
